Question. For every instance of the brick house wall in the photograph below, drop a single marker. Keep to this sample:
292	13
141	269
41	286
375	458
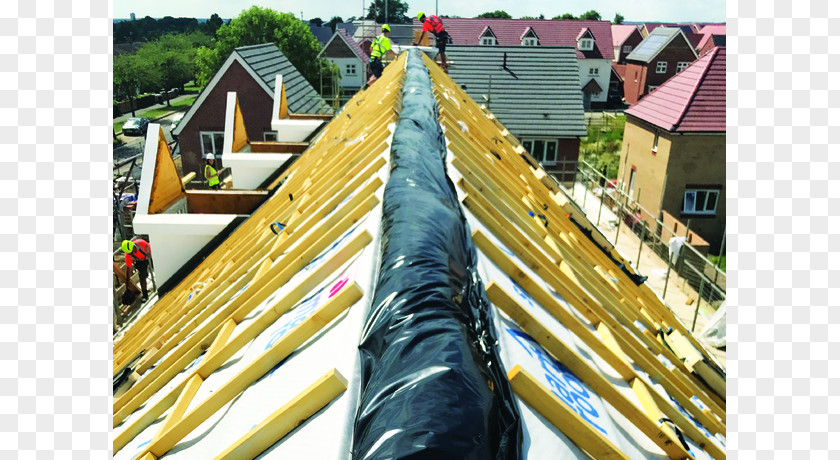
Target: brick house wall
689	161
256	106
640	76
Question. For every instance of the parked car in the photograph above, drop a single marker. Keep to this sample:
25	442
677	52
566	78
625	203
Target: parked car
175	121
135	126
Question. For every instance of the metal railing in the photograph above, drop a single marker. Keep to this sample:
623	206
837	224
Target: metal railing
647	232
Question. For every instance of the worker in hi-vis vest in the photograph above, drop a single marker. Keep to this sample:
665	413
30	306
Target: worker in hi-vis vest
434	25
210	172
137	254
380	46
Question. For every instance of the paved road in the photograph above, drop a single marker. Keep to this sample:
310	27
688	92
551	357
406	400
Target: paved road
134	145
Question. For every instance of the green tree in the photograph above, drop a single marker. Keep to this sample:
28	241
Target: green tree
317	21
213	24
397	10
255	26
565	16
540	17
591	15
126	80
618	19
498	14
334	22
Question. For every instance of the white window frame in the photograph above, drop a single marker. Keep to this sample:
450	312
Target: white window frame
528	145
529	41
593	71
270	136
710	197
586	44
682	65
350	69
661	66
217	147
652	87
627	49
488	40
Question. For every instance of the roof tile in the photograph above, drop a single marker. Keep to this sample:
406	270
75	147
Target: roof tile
467	31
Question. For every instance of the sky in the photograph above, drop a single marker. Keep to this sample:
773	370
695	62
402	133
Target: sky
632	10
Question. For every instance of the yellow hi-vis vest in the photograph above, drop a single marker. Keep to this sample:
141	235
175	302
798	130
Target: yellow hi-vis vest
380	46
211	181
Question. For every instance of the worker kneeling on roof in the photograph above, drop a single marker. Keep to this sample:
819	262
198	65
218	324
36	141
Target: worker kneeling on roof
378	49
137	253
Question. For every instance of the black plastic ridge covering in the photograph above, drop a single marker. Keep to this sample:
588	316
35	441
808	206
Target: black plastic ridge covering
432	384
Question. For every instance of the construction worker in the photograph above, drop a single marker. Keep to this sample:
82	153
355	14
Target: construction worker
210	172
434	25
380	46
137	253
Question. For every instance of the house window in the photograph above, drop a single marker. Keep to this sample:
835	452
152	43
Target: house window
350	69
593	72
212	142
700	201
585	44
681	66
652	87
529	41
490	41
270	136
544	151
627	48
661	66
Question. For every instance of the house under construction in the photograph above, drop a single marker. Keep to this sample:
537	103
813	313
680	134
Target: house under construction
413	286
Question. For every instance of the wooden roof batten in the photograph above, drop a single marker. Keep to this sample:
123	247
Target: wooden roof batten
336	183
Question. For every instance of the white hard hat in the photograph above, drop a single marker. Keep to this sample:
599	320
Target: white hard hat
209	156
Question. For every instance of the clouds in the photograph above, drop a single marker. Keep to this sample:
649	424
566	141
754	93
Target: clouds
639	10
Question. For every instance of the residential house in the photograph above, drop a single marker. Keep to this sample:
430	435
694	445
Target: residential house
625	38
250	72
713	35
674	148
364	31
534	92
592	41
352	62
664	53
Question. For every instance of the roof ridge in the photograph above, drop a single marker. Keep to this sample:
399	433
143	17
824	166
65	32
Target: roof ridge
693	93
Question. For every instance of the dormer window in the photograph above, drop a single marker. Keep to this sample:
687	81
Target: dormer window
488	38
586	44
529	37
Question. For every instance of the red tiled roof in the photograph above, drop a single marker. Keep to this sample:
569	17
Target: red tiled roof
716	29
467	31
693	100
621	32
353	45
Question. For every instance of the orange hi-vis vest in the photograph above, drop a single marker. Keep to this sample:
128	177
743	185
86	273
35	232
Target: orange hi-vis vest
434	24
